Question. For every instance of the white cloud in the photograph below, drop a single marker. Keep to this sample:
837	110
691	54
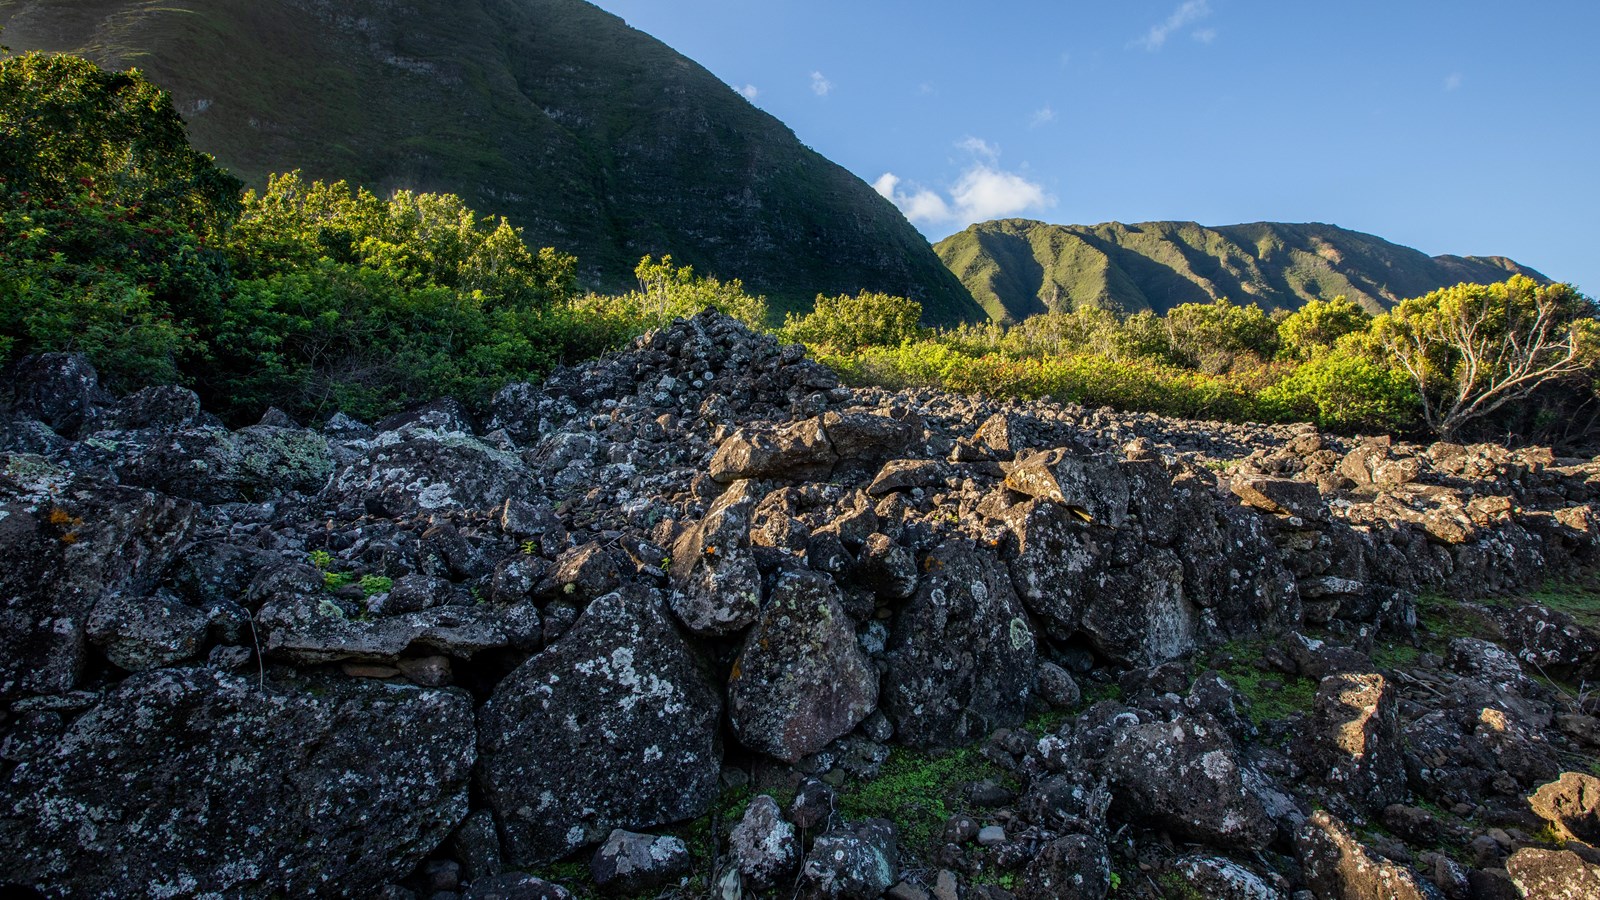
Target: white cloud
1042	116
983	192
820	85
1205	35
979	147
1188	13
750	92
1452	81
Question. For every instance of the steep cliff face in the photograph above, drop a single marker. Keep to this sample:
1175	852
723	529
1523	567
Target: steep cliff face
592	136
1017	268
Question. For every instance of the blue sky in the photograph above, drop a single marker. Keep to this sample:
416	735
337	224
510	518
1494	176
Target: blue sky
1460	127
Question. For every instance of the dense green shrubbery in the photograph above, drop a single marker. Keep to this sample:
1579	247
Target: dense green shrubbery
120	241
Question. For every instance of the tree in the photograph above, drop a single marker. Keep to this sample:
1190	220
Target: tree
1315	328
667	292
1472	349
68	126
868	319
1215	337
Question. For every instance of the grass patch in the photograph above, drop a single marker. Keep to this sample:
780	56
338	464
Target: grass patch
1446	619
1392	656
1269	696
919	793
1578	599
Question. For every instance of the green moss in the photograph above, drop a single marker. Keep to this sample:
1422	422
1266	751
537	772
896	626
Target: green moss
919	793
1270	696
1174	887
1392	656
1579	600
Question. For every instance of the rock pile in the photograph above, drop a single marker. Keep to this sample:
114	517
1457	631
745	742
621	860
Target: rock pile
432	654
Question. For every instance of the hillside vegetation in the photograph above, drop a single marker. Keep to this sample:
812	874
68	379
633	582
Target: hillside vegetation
120	241
592	137
1018	268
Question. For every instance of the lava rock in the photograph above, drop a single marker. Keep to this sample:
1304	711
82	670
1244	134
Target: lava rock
801	680
1571	804
1335	864
1075	867
328	786
763	845
1553	875
429	473
613	726
1216	878
628	863
857	863
1185	776
1354	740
962	655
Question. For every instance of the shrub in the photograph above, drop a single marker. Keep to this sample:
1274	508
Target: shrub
868	319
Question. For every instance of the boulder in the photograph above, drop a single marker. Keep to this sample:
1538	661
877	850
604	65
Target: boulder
1571	804
1140	615
1553	875
214	465
629	863
143	633
1353	743
305	788
961	655
1186	777
857	863
301	622
61	390
792	453
1092	487
613	726
1217	878
1075	867
1551	641
802	679
764	846
1336	865
871	435
430	472
86	542
1055	565
1280	496
886	568
906	474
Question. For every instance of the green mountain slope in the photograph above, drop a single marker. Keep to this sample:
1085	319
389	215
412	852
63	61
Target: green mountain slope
1017	268
592	136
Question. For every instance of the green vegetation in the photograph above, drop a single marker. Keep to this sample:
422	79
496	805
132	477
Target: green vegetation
1330	363
591	136
1271	696
1017	268
119	241
919	793
1472	349
1578	599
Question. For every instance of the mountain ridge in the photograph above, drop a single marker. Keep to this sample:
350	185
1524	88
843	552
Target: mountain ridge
1021	267
593	137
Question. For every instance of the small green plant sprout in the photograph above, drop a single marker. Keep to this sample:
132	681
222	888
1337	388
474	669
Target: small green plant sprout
1116	881
322	559
335	580
529	548
376	584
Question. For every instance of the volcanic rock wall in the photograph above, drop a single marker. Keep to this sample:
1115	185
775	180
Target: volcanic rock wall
281	660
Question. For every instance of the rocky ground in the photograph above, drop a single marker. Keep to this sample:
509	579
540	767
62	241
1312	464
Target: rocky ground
695	620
